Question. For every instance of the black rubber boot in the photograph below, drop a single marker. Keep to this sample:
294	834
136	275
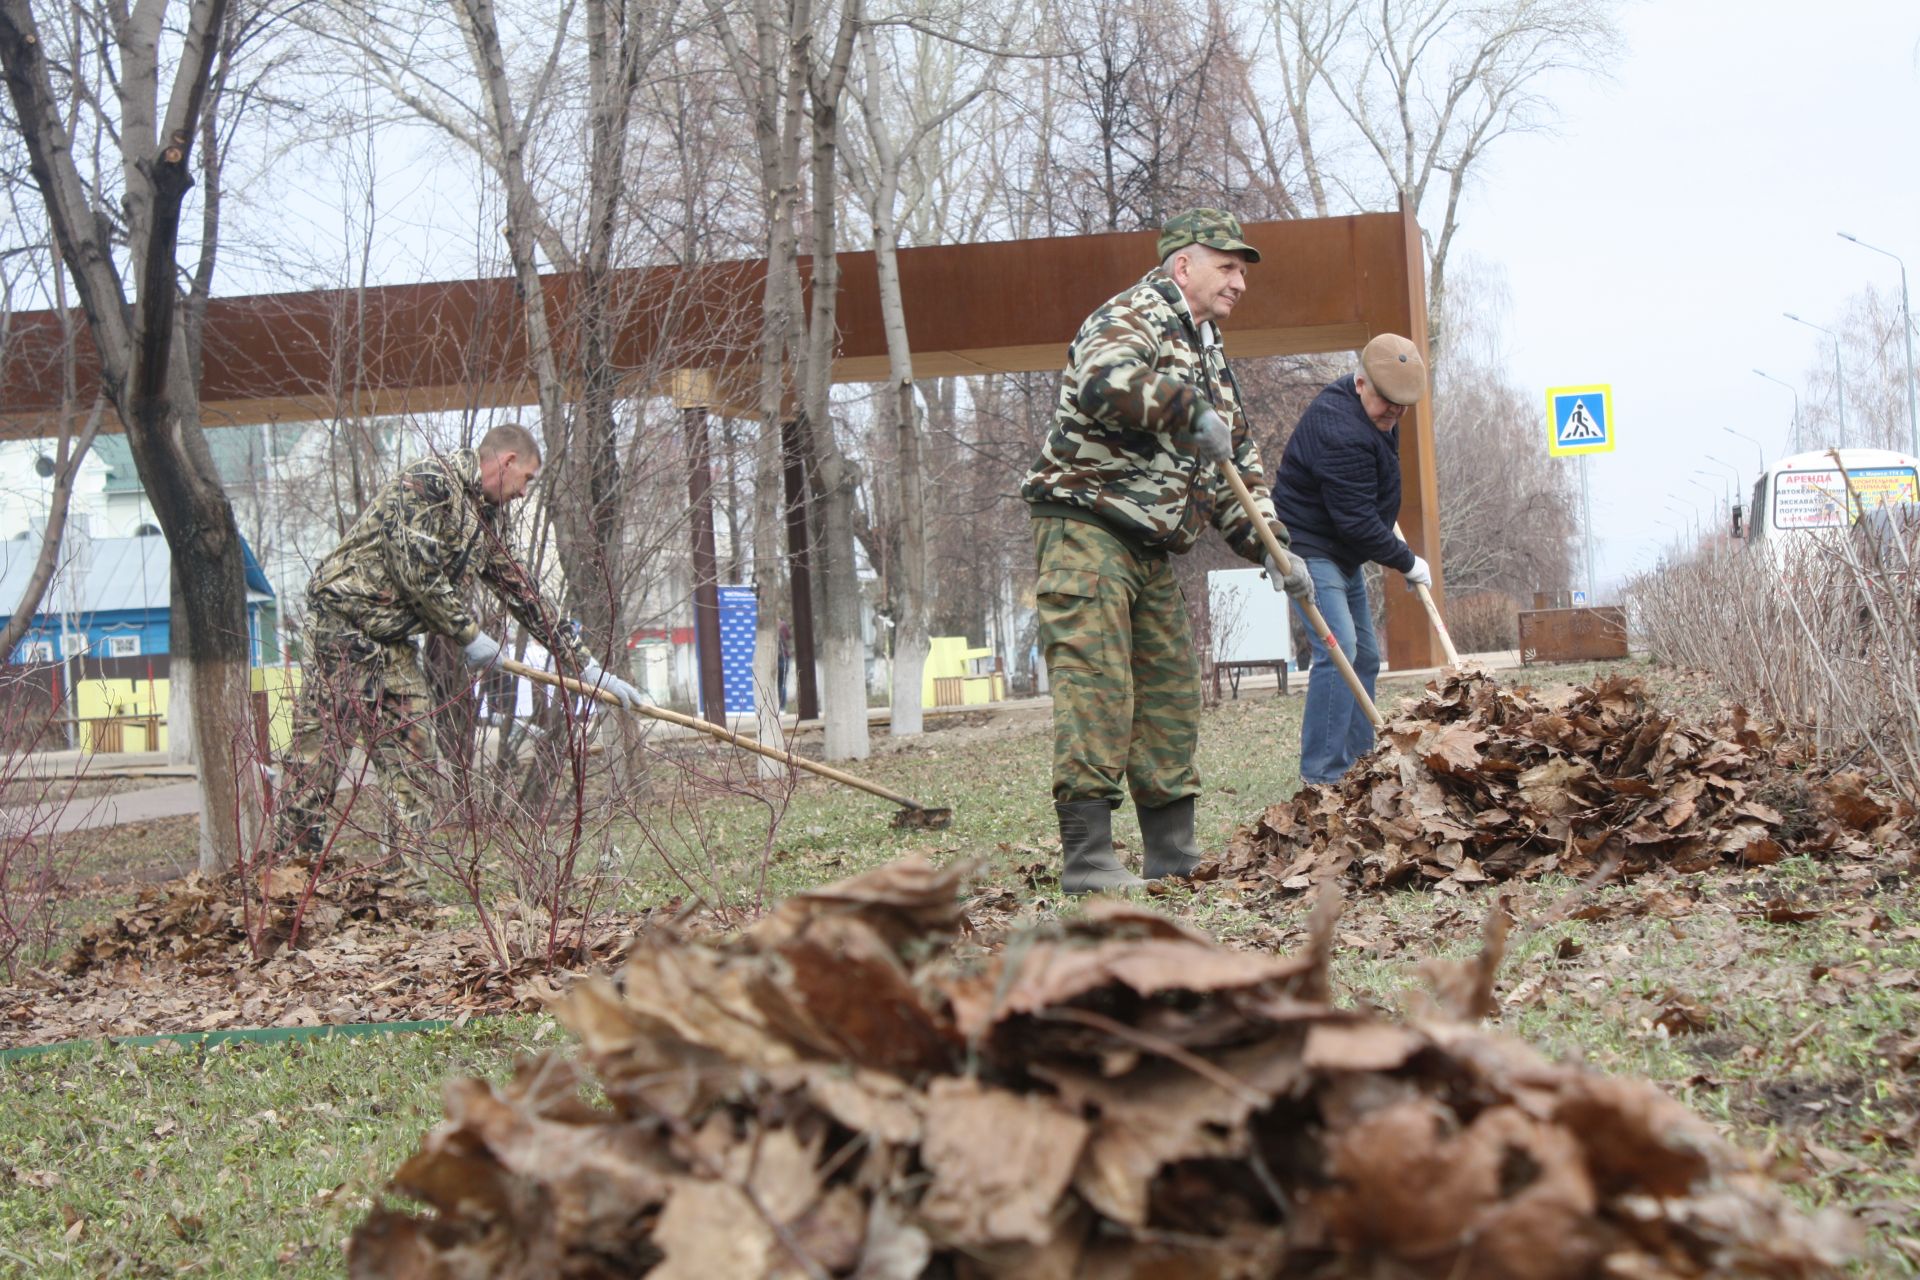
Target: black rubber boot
1086	849
1167	833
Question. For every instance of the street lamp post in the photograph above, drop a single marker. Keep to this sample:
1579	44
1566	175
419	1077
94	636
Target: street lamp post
1689	515
1733	502
1726	489
1906	325
1839	377
1793	442
1713	502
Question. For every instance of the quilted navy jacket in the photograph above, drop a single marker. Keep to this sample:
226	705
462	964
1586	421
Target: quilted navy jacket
1338	487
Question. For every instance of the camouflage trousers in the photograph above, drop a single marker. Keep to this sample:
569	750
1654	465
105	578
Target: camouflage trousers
359	692
1119	653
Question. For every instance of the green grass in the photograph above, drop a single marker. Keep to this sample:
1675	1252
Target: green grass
235	1160
257	1160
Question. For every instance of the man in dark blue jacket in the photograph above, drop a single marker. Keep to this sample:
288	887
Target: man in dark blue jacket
1338	491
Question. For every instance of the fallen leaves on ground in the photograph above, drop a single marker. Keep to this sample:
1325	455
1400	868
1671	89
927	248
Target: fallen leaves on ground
830	1093
1479	782
367	949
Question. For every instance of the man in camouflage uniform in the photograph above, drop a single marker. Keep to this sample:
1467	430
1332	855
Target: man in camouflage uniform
401	573
1128	475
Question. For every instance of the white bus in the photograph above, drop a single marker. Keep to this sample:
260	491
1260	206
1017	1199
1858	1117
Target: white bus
1798	496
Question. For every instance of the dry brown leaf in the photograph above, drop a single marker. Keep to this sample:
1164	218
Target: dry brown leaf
998	1163
1360	1046
710	1229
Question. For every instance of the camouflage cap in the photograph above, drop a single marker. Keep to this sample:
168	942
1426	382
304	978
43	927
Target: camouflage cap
1214	228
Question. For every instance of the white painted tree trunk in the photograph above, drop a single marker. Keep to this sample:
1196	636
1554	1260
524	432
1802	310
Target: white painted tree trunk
909	673
843	697
180	748
767	672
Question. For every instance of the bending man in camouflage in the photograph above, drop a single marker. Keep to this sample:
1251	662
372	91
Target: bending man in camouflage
401	573
1148	410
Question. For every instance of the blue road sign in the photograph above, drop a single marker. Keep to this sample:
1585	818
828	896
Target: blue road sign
1579	420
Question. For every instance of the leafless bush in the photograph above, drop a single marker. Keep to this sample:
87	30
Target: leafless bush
38	847
1824	635
1483	621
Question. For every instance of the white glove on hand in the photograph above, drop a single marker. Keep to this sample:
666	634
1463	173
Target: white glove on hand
1298	583
1212	437
598	677
482	652
1419	575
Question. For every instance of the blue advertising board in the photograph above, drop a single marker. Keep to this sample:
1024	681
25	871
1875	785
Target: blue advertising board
739	612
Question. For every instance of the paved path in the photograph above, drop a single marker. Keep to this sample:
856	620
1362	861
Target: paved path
170	800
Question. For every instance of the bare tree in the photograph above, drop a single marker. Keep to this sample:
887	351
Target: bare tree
791	64
72	440
936	94
1305	34
1430	86
1155	92
147	362
1871	377
1507	522
771	100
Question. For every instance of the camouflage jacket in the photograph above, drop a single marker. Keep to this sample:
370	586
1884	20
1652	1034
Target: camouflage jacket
403	567
1121	447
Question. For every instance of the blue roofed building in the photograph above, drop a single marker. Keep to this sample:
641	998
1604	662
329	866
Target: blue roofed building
110	599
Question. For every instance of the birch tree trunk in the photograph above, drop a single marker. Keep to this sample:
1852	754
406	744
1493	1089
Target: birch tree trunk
843	701
775	98
882	180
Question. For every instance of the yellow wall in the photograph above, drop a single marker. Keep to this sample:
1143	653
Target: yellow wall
949	656
99	698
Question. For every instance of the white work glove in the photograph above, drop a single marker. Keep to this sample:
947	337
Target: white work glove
598	677
1419	575
482	652
1212	437
1298	583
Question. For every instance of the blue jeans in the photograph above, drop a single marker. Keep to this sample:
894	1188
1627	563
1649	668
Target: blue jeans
1335	731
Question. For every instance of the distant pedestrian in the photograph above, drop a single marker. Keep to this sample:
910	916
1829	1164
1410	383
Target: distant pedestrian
1338	489
1129	474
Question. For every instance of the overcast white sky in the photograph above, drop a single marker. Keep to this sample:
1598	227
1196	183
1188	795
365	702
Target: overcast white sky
1654	242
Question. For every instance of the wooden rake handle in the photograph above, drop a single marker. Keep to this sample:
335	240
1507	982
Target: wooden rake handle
712	731
1307	607
1433	613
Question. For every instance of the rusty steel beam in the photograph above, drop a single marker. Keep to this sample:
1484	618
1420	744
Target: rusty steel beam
1323	284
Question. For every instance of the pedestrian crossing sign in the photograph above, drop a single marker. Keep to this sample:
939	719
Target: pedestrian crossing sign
1579	420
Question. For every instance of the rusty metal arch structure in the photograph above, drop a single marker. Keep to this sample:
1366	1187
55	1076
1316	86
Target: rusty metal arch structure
1322	285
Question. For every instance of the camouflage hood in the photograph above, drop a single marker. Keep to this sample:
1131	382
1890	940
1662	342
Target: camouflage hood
1121	450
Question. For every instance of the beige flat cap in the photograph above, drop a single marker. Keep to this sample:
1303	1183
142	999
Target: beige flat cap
1394	368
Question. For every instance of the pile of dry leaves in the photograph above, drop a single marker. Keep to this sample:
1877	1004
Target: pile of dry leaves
192	955
831	1094
1483	782
199	918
